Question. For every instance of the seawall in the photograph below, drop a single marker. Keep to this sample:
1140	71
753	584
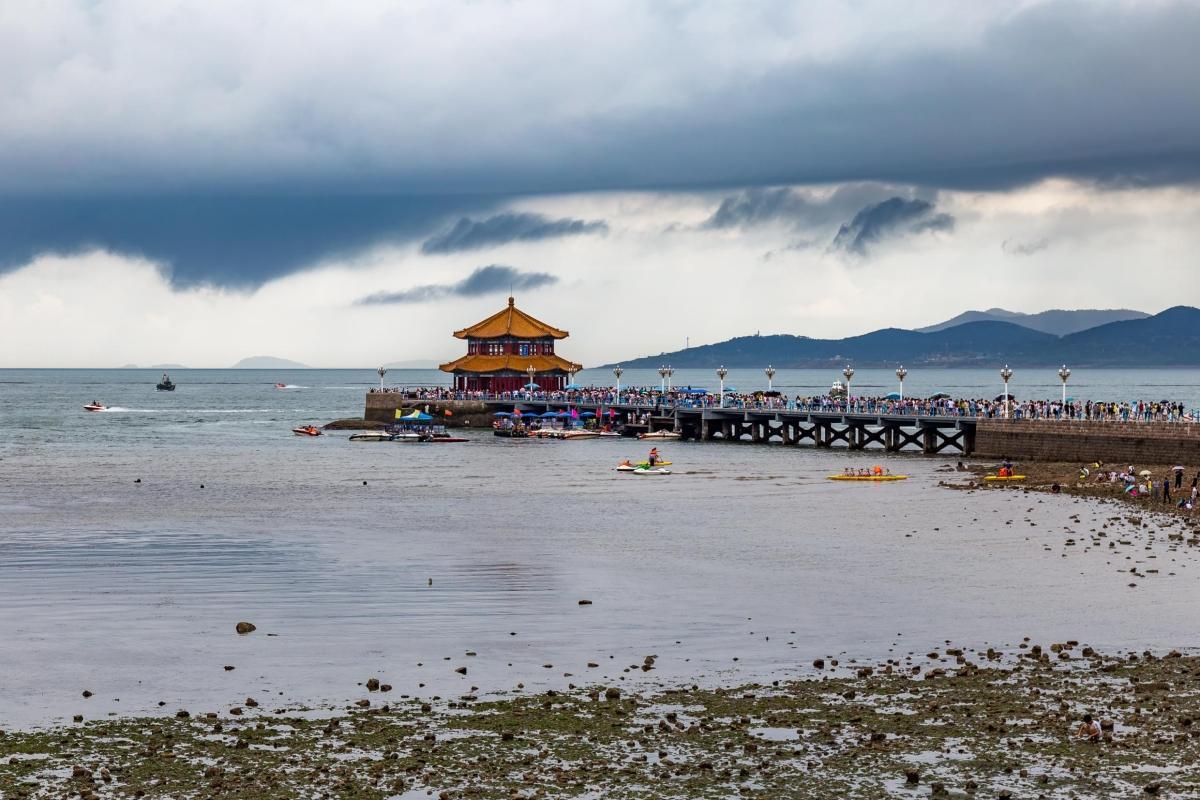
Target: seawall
1085	442
382	407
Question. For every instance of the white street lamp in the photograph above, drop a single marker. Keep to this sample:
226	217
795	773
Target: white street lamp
618	372
848	372
670	372
1005	375
662	373
901	373
530	371
381	372
721	373
1063	374
770	378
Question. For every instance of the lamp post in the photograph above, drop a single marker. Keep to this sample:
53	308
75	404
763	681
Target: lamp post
848	373
770	378
572	371
618	371
670	372
901	373
530	371
1063	374
381	372
1005	375
721	373
662	373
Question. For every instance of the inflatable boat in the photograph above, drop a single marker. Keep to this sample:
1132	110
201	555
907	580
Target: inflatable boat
869	478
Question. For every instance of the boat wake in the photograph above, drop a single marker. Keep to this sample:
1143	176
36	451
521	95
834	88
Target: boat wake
289	386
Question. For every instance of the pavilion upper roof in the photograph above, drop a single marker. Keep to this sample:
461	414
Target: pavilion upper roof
511	321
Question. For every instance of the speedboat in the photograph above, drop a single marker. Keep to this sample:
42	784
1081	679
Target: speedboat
94	406
307	430
165	385
579	434
371	436
443	438
281	386
609	434
661	435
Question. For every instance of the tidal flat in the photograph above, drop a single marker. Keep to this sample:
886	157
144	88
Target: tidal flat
947	723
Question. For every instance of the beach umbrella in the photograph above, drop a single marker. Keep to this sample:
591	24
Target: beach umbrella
1000	398
692	390
1145	473
562	414
944	396
532	385
572	387
502	414
588	414
548	415
892	396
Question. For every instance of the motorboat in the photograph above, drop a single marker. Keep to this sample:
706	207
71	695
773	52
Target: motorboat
281	386
95	406
165	385
581	434
609	435
371	436
307	430
442	438
664	434
651	471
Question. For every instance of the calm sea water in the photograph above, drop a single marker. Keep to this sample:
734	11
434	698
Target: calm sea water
131	590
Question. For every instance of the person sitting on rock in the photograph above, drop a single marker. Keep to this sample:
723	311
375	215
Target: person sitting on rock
1089	729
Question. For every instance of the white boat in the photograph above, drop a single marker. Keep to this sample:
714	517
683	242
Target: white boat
661	435
371	436
655	471
578	434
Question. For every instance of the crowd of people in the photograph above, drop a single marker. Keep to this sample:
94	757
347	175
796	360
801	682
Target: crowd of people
1168	489
938	405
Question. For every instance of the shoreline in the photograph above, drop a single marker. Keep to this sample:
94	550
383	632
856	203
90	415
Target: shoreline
948	722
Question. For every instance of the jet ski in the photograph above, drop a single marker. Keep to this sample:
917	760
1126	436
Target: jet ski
94	406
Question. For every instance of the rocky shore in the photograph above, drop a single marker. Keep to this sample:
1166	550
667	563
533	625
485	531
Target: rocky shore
950	722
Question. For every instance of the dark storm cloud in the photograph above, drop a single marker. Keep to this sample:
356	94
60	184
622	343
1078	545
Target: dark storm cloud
892	217
491	279
1103	92
470	234
232	241
799	209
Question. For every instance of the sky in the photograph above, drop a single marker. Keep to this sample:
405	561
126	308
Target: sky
344	184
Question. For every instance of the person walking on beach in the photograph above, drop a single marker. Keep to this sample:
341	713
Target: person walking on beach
1178	476
1166	490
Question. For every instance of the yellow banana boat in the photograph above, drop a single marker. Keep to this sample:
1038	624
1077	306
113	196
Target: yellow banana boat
874	478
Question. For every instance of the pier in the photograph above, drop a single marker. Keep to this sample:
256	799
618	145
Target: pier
892	433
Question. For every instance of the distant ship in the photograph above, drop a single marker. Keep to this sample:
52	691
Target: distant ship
165	384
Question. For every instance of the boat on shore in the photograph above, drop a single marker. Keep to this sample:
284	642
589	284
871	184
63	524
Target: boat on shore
95	406
308	430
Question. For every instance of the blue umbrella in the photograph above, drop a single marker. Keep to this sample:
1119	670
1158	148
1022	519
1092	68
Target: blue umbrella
562	414
691	390
730	389
502	414
892	396
572	386
548	415
532	385
588	414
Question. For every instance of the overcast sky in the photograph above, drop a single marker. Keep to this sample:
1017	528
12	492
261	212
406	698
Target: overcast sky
346	183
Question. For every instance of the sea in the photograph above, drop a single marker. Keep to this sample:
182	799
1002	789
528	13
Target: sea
133	540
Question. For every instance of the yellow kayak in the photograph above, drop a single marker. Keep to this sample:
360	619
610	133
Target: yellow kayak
868	478
1004	478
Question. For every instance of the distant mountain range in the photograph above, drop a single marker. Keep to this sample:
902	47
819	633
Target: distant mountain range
1171	338
1057	321
153	366
268	362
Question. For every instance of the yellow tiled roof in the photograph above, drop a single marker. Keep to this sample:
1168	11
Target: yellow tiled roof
482	363
511	321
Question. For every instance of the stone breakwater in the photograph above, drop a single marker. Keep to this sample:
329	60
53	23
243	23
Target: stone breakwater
1085	442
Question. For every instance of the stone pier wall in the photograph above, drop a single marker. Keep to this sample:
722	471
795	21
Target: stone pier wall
382	406
1085	442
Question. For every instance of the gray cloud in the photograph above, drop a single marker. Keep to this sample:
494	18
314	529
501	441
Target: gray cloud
491	279
470	234
1017	248
892	217
798	208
